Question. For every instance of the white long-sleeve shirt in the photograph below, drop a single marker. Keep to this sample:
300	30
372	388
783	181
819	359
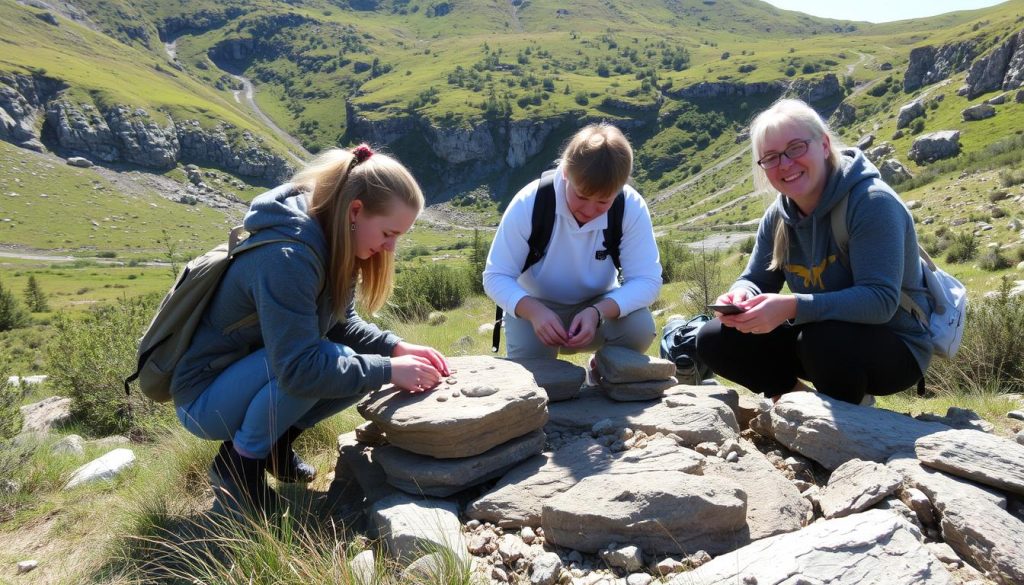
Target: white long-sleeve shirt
569	272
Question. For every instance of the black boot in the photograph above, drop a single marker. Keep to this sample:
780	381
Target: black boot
239	483
285	464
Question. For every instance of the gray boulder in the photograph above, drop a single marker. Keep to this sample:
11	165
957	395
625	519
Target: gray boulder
879	152
492	402
106	467
866	141
908	113
621	365
411	527
978	112
80	162
855	486
935	146
660	511
893	172
979	456
844	115
832	432
873	547
46	414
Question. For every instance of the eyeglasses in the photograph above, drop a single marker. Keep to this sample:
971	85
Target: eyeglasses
792	152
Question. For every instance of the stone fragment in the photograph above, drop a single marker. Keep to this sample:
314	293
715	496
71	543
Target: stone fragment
668	566
561	380
639	579
358	477
777	507
985	458
429	568
511	548
411	527
517	499
693	419
46	414
832	432
462	426
546	569
26	566
527	535
622	365
363	568
873	547
1016	414
855	486
370	433
920	504
108	466
72	445
630	391
629	557
423	475
660	511
78	161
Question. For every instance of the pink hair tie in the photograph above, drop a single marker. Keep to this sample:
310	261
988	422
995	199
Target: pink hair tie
362	152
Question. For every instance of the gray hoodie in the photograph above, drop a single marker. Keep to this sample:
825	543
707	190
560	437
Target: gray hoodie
883	257
283	284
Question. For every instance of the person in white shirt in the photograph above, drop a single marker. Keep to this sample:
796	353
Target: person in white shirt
573	299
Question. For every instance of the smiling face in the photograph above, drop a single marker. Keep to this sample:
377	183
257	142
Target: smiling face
801	179
586	207
376	233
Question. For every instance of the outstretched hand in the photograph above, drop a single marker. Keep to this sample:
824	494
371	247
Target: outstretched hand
763	313
435	357
413	373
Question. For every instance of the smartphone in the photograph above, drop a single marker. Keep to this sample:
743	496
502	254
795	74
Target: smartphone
727	309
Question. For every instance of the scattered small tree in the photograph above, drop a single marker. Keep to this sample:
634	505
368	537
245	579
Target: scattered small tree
478	261
12	314
35	298
10	400
704	281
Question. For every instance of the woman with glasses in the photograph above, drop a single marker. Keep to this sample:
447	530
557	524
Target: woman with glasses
841	328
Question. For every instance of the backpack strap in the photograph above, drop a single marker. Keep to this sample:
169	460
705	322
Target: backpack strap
613	233
841	234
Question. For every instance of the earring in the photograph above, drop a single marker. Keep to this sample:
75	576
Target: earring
352	226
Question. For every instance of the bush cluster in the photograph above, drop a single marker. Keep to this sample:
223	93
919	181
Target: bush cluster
87	360
963	247
673	256
991	355
418	291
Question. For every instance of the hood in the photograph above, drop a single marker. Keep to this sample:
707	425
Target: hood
282	212
854	169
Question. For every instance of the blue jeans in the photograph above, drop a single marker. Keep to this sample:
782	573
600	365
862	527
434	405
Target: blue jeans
244	404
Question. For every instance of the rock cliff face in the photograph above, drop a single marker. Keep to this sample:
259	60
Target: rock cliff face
811	90
929	64
1003	68
122	134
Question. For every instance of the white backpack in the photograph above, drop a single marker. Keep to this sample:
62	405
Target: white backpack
946	323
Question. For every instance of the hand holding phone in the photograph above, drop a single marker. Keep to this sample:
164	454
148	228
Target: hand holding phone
726	308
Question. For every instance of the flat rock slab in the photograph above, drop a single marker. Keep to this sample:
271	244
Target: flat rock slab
974	521
517	500
423	475
985	458
776	505
695	419
412	528
662	512
357	475
630	391
875	547
561	380
491	402
621	365
108	466
855	486
832	432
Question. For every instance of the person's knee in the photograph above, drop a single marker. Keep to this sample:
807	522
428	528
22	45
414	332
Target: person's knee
710	342
635	331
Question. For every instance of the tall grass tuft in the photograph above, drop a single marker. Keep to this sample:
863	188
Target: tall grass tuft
963	247
673	256
419	291
88	359
991	356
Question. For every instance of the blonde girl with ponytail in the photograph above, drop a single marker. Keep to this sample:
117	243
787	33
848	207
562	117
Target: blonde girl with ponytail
281	346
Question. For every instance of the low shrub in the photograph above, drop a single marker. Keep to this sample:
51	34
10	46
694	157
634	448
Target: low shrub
87	360
673	256
10	399
962	247
992	352
993	260
419	291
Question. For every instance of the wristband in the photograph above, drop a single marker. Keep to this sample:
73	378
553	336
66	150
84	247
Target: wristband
600	317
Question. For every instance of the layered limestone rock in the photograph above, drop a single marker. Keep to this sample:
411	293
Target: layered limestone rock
1002	68
935	146
487	402
979	456
929	64
561	380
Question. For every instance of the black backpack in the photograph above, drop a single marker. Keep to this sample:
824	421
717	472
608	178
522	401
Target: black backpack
679	345
542	223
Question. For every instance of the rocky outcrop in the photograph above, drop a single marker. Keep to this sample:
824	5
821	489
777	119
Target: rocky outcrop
122	134
22	101
935	146
252	44
978	112
893	171
844	115
810	90
1002	68
197	22
929	64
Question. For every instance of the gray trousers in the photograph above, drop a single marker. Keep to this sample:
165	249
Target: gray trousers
635	331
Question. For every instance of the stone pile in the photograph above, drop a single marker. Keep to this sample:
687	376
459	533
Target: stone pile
483	419
627	375
704	484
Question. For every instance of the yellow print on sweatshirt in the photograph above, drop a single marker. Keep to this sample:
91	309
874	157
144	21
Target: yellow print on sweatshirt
812	275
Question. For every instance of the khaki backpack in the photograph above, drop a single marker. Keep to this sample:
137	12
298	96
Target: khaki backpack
170	332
